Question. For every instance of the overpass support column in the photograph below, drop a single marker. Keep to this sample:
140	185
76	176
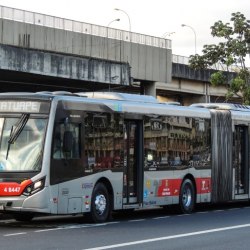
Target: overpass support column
148	88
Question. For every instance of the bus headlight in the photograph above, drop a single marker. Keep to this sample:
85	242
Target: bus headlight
34	187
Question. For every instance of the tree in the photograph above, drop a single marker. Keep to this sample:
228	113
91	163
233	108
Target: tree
230	55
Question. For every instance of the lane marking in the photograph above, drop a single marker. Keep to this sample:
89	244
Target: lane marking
76	226
15	234
168	237
7	221
162	217
138	220
47	230
107	223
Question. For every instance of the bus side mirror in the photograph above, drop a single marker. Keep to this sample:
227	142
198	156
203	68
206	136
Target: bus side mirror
67	141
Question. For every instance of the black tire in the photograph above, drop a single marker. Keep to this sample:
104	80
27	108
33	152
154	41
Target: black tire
100	204
23	217
187	197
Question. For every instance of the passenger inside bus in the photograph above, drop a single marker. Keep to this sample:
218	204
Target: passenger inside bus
66	142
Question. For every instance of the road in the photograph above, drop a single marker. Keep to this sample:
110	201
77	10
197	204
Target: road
225	227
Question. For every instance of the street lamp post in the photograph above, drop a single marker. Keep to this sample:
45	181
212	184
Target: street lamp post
184	25
168	34
127	16
115	20
130	37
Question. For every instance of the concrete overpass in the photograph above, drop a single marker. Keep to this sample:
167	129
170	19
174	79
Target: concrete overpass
41	52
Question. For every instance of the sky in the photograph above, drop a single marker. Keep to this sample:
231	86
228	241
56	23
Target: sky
151	17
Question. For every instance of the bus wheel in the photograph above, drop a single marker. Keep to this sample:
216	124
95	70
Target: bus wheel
187	196
23	217
100	204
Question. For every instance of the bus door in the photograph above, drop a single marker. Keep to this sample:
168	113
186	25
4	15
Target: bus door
241	162
66	163
133	163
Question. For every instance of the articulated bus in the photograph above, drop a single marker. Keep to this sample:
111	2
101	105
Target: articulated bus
94	153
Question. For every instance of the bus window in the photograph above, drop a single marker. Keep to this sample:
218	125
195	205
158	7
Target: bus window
176	142
25	153
103	141
64	135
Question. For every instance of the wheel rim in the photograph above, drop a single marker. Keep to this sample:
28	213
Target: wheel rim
187	197
100	204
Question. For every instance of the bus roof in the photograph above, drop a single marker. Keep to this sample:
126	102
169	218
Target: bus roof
223	106
130	103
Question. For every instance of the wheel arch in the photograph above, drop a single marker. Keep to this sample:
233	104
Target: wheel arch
109	187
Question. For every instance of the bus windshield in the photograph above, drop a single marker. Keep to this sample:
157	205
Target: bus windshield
21	144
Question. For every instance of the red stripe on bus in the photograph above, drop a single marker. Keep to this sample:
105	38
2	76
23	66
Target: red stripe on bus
171	187
203	185
13	188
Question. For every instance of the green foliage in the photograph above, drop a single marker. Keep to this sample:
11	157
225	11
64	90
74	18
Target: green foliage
247	96
218	78
231	51
237	84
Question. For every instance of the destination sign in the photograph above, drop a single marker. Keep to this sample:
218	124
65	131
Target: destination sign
20	106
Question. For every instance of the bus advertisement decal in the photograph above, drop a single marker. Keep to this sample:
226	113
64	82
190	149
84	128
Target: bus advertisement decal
171	187
203	185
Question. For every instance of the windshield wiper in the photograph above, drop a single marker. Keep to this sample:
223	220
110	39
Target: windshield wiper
16	130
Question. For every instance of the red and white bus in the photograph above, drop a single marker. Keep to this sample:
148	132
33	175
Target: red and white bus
94	153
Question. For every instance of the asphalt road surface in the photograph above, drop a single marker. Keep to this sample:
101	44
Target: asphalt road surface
210	227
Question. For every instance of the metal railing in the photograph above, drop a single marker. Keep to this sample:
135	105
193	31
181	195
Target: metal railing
217	66
180	59
81	27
